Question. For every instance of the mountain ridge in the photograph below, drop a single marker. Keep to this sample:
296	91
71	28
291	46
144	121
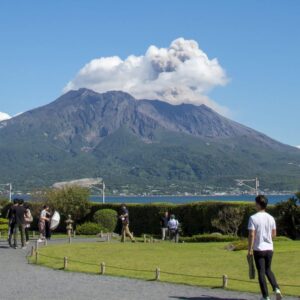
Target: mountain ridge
113	135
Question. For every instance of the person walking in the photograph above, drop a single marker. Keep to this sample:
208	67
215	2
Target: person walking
124	216
262	230
164	225
173	226
11	222
28	220
19	213
42	223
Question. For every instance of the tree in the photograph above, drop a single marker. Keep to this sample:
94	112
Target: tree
229	220
289	217
72	200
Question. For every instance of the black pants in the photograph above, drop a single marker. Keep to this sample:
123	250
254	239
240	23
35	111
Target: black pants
263	261
27	234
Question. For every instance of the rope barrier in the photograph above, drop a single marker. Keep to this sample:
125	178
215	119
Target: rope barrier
161	272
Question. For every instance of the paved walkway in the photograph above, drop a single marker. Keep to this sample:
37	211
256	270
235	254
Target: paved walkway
20	280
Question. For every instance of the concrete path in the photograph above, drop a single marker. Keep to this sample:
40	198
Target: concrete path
20	280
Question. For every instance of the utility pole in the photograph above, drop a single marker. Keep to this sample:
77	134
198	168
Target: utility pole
242	182
103	192
10	191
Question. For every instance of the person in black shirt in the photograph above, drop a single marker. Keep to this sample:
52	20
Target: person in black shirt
11	221
124	216
164	225
19	213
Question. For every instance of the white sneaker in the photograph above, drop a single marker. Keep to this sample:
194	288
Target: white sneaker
278	294
267	298
40	240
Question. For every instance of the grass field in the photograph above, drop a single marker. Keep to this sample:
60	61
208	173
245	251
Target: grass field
199	260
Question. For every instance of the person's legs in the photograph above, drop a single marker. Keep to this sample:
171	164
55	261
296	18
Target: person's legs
259	257
123	234
42	230
22	230
10	234
16	230
127	231
26	234
269	273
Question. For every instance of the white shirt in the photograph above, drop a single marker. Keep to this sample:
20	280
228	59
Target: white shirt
43	214
173	224
263	224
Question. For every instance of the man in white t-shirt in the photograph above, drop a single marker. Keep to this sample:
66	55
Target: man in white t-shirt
262	230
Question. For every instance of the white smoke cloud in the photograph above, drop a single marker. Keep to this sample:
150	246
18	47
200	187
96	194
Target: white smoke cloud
181	73
4	116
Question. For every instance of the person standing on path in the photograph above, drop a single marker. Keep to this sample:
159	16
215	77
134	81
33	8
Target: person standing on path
42	223
11	221
164	225
28	220
262	230
19	213
124	216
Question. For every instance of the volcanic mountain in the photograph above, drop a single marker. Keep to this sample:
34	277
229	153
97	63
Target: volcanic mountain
139	145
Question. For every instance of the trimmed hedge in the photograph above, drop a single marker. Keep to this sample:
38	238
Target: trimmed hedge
88	228
195	218
205	238
3	225
106	218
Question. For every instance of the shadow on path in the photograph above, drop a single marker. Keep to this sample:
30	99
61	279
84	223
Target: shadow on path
204	298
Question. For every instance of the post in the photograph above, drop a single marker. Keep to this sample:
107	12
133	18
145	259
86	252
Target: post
103	192
70	239
45	242
151	239
107	237
157	273
74	233
102	268
10	191
36	245
0	235
32	251
33	234
225	281
36	257
65	263
101	234
145	238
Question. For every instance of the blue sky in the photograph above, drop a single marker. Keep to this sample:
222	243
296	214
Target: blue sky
45	43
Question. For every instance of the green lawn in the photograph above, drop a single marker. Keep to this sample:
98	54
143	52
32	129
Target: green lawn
201	259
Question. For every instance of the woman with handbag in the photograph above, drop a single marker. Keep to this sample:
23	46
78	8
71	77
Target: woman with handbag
28	219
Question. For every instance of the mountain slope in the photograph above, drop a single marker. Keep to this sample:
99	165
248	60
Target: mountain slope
146	144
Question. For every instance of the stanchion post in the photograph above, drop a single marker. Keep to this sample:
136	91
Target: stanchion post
36	257
74	233
225	281
145	238
70	239
65	263
102	268
157	273
33	234
36	245
45	242
32	251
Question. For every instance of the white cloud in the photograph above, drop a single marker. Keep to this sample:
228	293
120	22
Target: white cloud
181	73
298	147
4	116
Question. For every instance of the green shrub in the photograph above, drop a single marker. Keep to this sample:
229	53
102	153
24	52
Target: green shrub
106	218
289	217
88	228
3	225
229	220
206	238
282	239
238	245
